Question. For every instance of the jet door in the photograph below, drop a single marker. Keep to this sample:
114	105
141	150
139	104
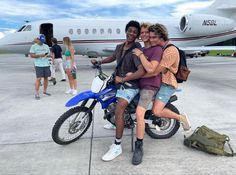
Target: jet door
47	30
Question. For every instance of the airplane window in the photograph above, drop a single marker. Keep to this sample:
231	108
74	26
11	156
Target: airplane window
27	28
21	29
102	31
86	31
71	31
118	31
94	31
79	31
109	31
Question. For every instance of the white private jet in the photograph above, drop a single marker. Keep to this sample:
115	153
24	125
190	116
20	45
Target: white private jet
99	37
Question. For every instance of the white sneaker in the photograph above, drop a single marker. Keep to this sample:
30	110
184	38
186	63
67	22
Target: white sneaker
74	92
69	91
109	126
114	151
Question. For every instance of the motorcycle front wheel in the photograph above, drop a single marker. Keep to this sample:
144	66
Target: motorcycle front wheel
163	128
71	125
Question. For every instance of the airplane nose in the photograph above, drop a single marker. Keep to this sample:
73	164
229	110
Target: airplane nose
3	45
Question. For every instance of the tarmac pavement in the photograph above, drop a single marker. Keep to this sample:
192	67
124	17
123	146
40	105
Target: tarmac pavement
26	146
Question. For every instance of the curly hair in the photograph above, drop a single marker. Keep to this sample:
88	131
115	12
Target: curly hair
133	24
160	30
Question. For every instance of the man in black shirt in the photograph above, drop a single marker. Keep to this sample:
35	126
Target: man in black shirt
128	71
57	60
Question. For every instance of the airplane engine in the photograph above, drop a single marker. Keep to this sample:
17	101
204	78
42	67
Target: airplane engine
197	25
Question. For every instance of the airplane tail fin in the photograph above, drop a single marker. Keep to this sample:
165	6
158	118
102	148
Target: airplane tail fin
224	8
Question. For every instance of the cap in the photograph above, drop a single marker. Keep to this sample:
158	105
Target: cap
41	38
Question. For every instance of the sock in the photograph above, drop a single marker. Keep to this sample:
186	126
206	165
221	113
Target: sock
139	140
118	141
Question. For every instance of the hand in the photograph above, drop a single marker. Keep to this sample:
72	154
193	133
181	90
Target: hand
129	73
94	61
137	52
118	79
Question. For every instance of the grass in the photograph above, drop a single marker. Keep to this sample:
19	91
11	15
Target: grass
220	52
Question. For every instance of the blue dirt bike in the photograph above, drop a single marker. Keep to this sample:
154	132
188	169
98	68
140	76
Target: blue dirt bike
71	125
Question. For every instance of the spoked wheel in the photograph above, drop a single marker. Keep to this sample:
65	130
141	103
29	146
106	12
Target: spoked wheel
162	128
71	125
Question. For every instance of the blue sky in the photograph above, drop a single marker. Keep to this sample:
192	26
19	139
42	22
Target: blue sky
13	13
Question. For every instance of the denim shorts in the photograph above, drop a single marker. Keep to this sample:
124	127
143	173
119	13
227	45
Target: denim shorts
67	64
126	93
165	92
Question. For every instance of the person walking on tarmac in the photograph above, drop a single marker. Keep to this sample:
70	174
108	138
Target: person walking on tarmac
57	61
127	85
39	52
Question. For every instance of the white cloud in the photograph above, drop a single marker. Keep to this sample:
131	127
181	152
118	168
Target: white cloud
19	8
6	31
190	7
1	35
115	3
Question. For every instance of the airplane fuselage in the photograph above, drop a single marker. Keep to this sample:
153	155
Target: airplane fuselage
99	37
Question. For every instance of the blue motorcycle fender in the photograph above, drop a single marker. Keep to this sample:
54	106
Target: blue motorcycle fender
80	97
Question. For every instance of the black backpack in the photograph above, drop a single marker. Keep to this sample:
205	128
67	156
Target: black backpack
183	71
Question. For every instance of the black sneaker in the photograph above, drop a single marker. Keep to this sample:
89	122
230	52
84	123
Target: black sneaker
138	153
54	82
63	80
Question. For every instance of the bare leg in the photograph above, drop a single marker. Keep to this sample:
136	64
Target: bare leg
45	84
70	78
119	113
160	110
75	83
37	85
140	128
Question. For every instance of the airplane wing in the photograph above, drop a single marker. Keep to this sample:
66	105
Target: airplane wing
233	48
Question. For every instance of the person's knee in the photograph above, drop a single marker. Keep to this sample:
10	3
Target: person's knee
121	105
140	112
156	112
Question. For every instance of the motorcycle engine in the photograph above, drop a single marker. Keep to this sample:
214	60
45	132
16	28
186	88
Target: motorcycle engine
110	116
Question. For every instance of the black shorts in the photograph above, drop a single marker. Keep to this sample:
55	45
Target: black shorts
43	72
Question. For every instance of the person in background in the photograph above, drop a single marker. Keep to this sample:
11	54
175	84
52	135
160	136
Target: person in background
70	66
150	56
57	62
39	52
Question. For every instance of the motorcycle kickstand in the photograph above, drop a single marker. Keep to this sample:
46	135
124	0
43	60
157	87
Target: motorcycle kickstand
132	139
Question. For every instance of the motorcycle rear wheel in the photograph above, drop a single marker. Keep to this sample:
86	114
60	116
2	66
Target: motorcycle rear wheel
168	127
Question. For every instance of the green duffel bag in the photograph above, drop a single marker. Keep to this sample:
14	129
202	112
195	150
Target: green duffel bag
207	140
